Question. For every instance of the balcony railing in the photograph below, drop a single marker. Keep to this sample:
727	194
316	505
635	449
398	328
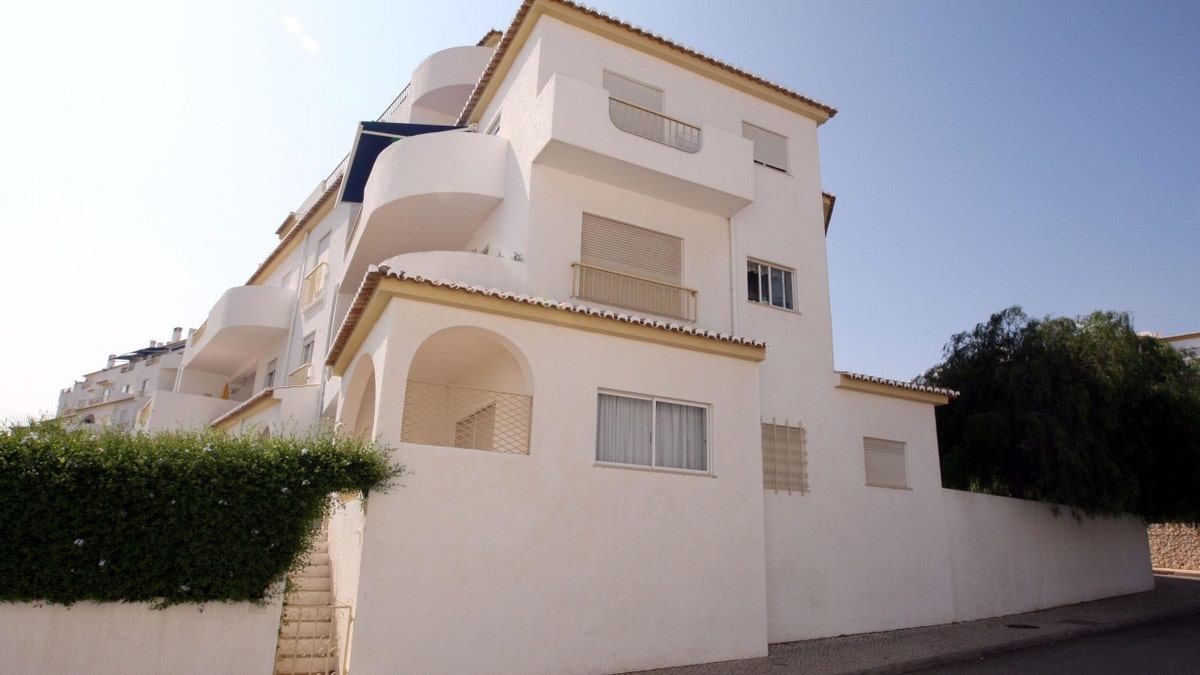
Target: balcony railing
465	417
313	285
648	124
633	292
313	639
299	377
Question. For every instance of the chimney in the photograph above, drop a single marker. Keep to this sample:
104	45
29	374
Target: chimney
112	358
176	334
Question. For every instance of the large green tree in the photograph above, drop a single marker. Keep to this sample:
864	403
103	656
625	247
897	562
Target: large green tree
1083	412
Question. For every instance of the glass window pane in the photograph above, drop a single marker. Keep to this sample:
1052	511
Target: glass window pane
776	287
680	436
623	430
787	290
752	282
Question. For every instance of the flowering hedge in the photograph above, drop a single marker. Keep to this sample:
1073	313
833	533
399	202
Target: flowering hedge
167	518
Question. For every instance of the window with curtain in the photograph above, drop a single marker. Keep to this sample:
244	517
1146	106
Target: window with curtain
651	432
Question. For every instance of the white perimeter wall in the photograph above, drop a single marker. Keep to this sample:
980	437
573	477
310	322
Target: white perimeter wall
134	639
1010	555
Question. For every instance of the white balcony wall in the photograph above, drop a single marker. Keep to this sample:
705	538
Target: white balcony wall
289	410
578	136
245	321
474	269
170	411
426	193
442	83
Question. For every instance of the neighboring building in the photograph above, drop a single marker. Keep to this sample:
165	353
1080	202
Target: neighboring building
576	274
1188	342
114	395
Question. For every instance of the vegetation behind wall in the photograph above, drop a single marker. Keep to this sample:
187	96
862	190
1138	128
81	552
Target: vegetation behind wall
168	518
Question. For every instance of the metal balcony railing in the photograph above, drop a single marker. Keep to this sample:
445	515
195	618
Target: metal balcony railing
314	639
633	292
314	284
654	126
465	417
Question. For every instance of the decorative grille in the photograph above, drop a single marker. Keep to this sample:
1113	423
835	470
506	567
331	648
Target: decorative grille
465	417
785	457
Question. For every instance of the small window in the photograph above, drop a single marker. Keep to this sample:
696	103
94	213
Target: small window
630	90
494	127
886	463
124	389
785	457
770	285
651	432
269	380
770	149
306	351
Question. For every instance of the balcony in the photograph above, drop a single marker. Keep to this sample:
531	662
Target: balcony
426	193
442	83
245	321
466	417
314	285
640	294
300	376
586	132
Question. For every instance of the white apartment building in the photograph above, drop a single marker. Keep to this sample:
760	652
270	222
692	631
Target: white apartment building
116	394
576	274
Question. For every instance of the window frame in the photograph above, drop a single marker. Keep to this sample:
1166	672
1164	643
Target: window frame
654	402
789	285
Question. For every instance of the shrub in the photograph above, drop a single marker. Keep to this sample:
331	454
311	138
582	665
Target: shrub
167	518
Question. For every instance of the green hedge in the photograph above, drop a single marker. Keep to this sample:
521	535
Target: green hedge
168	518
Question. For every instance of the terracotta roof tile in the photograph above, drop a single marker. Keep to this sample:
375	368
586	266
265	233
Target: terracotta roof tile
527	5
911	386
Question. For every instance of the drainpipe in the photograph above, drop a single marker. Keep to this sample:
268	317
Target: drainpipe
733	303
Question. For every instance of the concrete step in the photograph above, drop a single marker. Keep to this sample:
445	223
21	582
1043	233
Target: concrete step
307	665
302	597
315	570
312	583
318	559
305	629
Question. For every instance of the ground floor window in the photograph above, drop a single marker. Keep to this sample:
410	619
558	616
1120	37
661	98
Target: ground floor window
886	463
647	431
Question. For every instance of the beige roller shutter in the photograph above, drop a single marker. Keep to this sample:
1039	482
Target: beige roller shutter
886	465
632	91
770	148
630	249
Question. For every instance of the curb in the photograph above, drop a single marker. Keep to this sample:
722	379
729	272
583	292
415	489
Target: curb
1023	643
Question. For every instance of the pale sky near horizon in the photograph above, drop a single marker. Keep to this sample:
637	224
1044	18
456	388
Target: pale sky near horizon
985	154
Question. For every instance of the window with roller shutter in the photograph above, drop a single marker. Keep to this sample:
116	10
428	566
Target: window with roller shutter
886	463
770	149
632	267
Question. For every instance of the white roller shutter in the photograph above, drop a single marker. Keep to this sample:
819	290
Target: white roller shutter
770	148
632	91
886	466
622	247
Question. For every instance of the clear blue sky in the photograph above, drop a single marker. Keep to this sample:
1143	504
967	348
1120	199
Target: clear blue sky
985	154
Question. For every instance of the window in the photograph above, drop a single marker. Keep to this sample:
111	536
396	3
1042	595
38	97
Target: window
269	380
770	149
124	389
770	285
886	465
631	91
145	387
651	432
785	457
633	267
306	351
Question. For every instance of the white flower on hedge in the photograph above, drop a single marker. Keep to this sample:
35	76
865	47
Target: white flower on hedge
283	490
304	482
185	588
79	542
102	561
304	451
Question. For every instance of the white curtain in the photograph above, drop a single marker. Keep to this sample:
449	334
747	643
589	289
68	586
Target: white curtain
680	436
623	430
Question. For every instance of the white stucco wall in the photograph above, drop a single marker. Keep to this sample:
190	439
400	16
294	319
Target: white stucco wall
547	563
1011	555
231	639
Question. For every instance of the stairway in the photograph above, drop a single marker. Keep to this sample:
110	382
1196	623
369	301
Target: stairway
308	638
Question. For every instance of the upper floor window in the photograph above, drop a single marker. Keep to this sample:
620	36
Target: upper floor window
886	463
637	108
632	267
770	148
770	285
269	380
651	432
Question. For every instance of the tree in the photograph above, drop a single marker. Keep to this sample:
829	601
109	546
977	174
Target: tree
1082	412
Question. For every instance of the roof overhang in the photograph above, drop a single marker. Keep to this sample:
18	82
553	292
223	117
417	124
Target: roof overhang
895	389
380	286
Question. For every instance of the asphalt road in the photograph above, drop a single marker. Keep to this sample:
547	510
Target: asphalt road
1169	646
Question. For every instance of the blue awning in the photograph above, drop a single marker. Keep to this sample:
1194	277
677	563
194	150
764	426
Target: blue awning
369	141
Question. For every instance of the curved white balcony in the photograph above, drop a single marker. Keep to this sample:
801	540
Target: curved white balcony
443	82
426	193
244	322
705	167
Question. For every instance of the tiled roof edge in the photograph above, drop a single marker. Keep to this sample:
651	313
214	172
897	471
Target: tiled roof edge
911	386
